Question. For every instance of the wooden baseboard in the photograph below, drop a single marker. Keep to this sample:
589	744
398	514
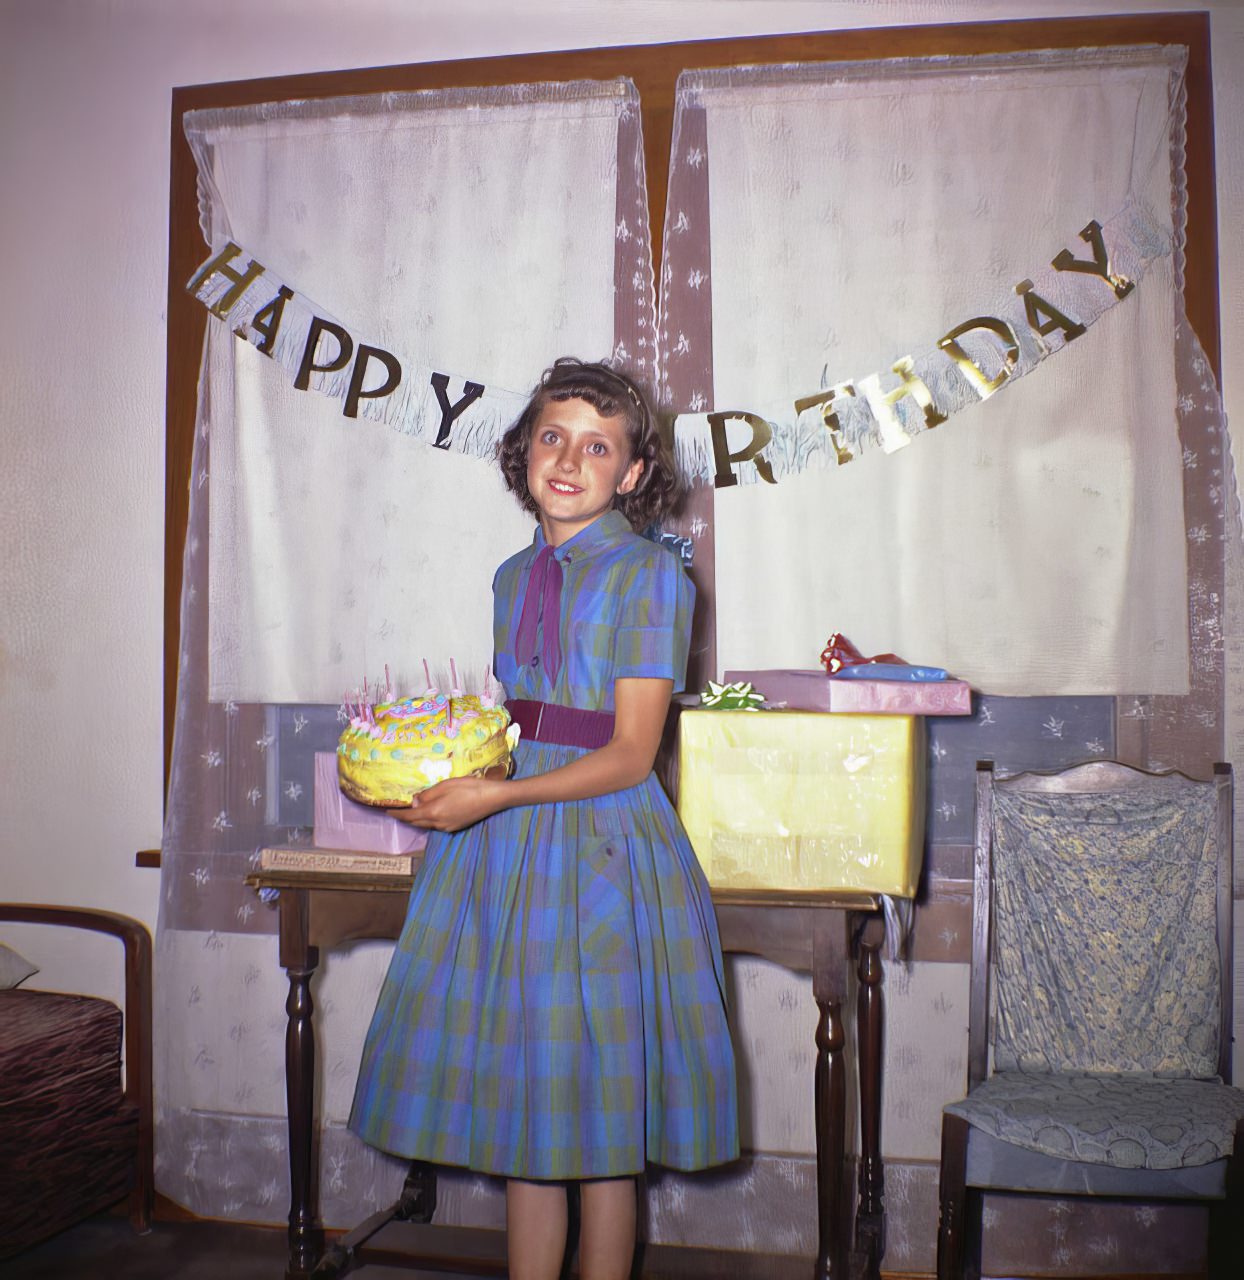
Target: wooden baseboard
167	1210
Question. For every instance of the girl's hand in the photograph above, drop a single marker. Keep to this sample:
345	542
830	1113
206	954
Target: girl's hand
454	804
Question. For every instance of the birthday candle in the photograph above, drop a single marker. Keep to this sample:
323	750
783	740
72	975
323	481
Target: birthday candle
453	674
427	675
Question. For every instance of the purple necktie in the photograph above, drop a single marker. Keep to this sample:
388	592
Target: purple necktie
542	606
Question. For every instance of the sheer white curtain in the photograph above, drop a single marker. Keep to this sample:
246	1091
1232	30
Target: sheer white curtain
470	232
1034	543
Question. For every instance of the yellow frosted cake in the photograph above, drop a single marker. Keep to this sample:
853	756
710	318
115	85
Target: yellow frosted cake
389	753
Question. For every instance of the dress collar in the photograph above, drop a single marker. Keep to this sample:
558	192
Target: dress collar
605	529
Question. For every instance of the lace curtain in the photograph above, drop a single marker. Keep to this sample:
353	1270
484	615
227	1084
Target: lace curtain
485	232
859	211
814	233
479	229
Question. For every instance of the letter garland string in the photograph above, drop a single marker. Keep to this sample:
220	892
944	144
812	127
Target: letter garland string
969	363
826	428
440	409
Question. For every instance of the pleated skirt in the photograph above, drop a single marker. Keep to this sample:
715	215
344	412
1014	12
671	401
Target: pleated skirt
555	1005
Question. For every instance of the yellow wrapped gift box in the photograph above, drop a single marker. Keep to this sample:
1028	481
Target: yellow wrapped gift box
804	799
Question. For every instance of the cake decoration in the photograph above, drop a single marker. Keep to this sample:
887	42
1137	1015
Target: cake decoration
392	750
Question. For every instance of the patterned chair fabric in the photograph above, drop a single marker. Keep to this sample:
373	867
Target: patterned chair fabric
1125	1121
68	1134
1100	984
1105	906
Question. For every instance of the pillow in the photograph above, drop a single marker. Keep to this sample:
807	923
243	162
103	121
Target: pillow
14	969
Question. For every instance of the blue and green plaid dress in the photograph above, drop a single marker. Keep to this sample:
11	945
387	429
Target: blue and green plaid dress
555	1006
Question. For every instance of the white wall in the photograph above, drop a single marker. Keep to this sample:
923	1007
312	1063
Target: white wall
84	162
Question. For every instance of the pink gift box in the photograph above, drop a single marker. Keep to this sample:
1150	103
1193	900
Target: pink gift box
815	691
340	823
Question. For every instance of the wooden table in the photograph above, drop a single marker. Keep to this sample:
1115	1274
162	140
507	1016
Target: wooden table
818	933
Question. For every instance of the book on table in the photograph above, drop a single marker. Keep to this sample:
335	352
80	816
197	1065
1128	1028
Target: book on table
337	861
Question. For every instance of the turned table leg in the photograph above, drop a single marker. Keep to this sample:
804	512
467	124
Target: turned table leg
829	951
870	1022
299	959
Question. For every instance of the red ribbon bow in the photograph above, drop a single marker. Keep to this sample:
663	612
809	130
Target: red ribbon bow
839	652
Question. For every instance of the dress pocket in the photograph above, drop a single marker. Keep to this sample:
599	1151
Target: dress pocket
606	906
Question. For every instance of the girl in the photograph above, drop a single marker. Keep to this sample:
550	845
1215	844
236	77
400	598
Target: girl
554	1010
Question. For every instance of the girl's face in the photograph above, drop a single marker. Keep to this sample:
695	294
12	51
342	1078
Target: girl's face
578	462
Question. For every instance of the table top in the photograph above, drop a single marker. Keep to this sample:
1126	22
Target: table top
370	881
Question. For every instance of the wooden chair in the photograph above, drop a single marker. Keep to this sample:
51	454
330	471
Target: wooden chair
1100	1004
72	1140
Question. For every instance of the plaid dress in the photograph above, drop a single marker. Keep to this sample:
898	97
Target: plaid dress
555	1005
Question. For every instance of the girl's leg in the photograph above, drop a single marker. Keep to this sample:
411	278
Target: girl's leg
607	1232
535	1229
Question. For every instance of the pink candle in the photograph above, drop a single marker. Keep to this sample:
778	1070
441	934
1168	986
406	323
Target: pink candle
427	675
453	674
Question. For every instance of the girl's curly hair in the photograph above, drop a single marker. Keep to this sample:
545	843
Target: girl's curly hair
612	394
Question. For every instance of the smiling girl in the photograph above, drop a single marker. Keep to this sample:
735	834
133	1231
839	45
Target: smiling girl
555	1007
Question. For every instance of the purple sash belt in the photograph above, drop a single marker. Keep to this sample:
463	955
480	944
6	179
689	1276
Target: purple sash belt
560	726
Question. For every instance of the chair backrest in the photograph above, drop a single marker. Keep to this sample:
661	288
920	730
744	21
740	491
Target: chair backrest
1102	922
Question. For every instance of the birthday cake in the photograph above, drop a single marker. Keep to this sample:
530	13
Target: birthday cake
388	753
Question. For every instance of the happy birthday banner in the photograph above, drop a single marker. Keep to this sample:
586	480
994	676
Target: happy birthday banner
826	428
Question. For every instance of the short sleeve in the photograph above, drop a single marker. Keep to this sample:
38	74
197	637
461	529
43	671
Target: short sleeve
653	632
504	588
